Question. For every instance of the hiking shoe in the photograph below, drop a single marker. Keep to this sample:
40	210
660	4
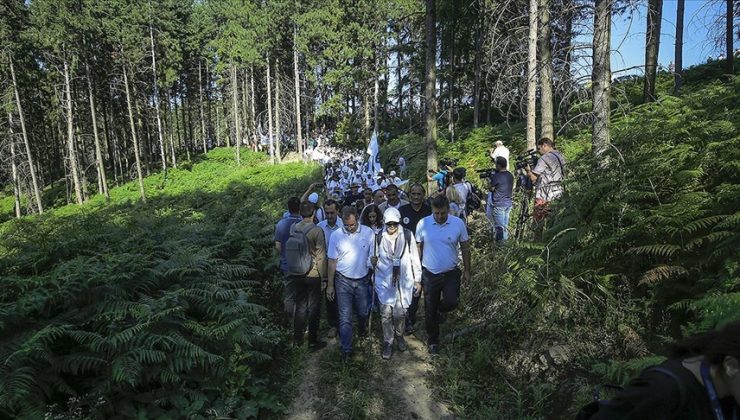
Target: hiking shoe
387	351
409	328
346	356
332	333
316	346
434	349
401	344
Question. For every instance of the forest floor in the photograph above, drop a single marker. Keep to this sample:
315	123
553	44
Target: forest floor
368	386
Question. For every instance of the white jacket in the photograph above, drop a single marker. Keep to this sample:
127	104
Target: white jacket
410	269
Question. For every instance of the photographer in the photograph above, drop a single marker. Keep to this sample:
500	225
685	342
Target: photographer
498	209
547	175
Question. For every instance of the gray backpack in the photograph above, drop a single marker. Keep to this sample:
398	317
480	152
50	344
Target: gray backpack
297	252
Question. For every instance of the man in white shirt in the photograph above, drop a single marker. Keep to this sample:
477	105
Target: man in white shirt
392	199
349	282
401	166
331	224
439	237
502	151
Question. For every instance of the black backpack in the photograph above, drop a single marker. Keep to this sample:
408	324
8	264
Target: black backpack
590	409
473	200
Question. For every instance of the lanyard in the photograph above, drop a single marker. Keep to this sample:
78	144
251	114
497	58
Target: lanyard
712	393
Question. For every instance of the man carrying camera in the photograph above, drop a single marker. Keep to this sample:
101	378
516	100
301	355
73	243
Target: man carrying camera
547	175
501	187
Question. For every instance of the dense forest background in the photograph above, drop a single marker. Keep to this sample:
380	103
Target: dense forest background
139	193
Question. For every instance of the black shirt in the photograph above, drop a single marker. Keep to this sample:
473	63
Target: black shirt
410	217
655	395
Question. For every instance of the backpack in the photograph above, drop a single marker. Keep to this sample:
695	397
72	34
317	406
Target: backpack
590	409
297	252
406	236
473	200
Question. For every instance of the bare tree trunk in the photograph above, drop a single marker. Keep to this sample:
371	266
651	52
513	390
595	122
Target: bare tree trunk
678	70
430	88
730	65
103	181
234	95
399	79
278	133
601	77
155	99
170	129
14	170
133	135
26	143
476	80
532	77
200	101
252	111
269	112
366	115
546	101
652	44
245	110
71	136
297	77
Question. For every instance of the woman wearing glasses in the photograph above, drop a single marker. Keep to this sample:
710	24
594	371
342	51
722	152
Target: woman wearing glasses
397	278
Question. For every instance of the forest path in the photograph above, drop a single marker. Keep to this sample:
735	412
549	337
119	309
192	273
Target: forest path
368	386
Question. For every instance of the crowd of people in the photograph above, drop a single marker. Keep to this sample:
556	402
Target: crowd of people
363	240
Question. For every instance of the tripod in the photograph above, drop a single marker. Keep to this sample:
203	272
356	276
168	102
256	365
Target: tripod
525	186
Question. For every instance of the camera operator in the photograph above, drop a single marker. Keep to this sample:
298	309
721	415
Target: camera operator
547	175
498	209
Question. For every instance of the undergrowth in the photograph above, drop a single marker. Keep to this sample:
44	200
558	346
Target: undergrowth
163	309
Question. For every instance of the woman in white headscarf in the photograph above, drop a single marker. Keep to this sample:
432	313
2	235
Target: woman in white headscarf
397	278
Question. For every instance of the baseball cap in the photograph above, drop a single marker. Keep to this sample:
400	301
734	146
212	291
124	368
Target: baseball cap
313	198
392	214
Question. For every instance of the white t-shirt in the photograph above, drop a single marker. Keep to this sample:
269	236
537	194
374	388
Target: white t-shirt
351	250
503	152
463	189
441	242
328	230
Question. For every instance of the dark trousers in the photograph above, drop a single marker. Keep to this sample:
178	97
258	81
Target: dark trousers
288	299
332	313
411	311
307	308
441	293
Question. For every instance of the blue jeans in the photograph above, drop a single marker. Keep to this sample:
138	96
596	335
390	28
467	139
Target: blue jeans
501	222
351	294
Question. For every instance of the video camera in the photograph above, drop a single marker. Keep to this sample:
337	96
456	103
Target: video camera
529	157
485	173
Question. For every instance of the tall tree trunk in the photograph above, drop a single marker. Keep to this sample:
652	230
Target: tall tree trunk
200	101
297	77
14	170
366	114
399	78
430	88
26	142
71	136
678	70
269	112
235	96
545	44
652	44
155	99
252	110
103	181
134	138
278	132
730	64
376	94
601	77
532	77
171	129
477	70
451	79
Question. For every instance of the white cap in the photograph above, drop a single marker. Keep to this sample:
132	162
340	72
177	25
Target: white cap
393	173
313	198
392	214
499	143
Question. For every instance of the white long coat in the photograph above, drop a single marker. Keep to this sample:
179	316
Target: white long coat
410	270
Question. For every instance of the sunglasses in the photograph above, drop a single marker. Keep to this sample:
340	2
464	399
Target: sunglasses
392	224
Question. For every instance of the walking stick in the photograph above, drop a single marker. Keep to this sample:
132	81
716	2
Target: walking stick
372	285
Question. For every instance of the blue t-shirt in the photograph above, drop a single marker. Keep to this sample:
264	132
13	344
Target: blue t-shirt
282	233
503	182
440	178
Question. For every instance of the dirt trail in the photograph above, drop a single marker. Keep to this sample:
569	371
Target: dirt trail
401	383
